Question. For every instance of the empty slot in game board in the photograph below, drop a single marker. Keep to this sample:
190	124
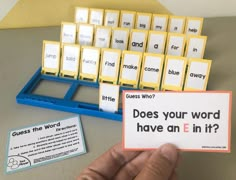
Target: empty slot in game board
87	94
51	88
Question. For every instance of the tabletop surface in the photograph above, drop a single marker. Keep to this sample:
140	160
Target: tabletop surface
20	57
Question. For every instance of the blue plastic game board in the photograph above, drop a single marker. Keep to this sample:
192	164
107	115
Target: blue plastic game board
66	103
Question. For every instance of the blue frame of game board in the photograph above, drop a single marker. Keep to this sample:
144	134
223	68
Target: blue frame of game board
25	96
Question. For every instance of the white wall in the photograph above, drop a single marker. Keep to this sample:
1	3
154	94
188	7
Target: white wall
203	8
5	7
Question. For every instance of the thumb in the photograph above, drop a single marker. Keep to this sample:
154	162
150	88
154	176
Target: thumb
161	164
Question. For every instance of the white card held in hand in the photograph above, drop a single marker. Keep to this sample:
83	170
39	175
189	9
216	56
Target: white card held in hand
89	63
120	37
197	74
96	16
138	40
109	97
111	18
51	57
110	65
102	37
70	60
159	22
175	44
143	21
85	34
68	32
156	42
194	25
176	24
151	71
81	15
192	121
130	68
127	19
174	72
195	46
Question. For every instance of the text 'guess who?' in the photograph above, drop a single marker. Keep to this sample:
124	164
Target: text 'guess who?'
110	65
96	16
120	37
159	22
68	32
81	15
196	46
130	68
109	97
127	19
138	40
174	72
193	121
156	42
102	37
194	25
89	63
111	18
175	44
70	60
51	57
151	71
143	20
85	34
197	74
176	24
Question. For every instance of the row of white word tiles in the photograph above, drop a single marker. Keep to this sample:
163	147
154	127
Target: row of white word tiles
127	68
135	40
139	20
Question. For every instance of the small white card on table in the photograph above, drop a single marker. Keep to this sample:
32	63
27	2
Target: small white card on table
44	143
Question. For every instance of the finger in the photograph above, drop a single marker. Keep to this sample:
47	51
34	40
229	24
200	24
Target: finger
161	164
179	160
174	176
107	165
133	167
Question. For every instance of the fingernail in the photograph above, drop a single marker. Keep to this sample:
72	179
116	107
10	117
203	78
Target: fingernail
169	152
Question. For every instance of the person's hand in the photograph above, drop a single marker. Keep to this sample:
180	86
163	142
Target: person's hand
117	164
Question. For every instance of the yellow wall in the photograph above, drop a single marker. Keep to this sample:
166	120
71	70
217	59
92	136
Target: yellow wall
34	13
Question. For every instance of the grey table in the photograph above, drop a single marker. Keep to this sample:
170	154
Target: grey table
20	57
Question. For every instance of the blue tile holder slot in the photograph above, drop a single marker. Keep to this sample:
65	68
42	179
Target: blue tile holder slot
25	96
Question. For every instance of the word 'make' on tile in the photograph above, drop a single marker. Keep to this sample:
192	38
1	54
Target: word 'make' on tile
130	68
